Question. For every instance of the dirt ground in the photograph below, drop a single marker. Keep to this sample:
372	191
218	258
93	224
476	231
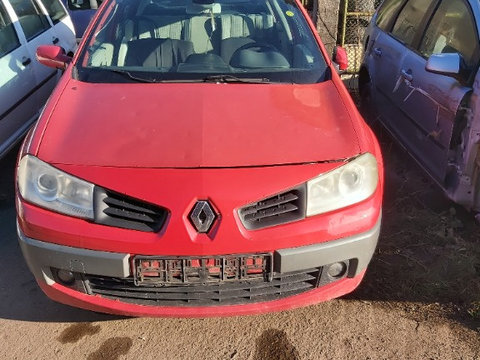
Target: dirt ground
420	298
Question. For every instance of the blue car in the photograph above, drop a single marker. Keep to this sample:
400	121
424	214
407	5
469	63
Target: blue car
420	79
81	12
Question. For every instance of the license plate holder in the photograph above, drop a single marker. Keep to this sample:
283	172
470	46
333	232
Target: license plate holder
164	271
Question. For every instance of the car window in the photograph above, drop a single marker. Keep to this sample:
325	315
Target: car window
192	39
409	20
55	10
8	36
31	18
387	12
452	30
84	4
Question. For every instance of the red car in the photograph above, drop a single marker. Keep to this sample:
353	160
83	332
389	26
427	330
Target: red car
198	158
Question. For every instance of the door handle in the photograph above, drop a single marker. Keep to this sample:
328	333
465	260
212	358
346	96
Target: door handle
407	75
26	61
377	52
55	40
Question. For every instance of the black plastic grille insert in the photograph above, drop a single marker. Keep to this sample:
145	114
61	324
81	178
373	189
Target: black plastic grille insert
121	211
209	294
279	209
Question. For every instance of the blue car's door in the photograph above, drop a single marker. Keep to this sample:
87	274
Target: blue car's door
386	54
383	54
397	33
429	102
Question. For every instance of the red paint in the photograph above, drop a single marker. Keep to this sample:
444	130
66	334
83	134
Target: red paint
178	189
53	56
173	144
341	58
134	126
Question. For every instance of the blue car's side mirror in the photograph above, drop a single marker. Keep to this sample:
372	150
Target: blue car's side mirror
445	64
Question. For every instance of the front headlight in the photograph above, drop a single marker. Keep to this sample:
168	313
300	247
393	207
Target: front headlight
50	188
344	186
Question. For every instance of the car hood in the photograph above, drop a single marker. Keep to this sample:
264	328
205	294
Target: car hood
197	125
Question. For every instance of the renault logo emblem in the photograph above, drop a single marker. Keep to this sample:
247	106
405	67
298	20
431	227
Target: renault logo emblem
202	216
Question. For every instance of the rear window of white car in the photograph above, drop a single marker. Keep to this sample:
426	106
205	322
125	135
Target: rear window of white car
31	17
55	10
8	36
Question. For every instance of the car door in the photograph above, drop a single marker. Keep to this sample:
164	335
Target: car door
62	24
430	102
400	26
18	104
38	31
384	52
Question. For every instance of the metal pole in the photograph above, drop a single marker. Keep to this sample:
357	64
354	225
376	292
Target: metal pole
344	25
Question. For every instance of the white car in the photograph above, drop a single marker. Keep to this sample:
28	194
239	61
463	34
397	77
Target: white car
25	84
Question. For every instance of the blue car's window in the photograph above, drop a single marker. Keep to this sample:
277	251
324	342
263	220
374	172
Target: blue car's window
452	30
409	20
168	40
387	12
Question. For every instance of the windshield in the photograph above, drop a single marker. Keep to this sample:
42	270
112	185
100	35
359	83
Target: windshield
259	41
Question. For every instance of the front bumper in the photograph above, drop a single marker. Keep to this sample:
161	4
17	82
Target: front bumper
355	251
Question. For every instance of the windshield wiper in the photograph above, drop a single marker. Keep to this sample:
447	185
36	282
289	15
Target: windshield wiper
132	77
221	78
226	78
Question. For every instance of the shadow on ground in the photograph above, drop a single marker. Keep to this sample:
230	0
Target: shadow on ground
429	249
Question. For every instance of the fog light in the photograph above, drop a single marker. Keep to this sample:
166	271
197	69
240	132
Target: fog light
66	277
337	270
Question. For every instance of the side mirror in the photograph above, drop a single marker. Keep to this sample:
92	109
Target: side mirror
340	58
445	64
53	56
